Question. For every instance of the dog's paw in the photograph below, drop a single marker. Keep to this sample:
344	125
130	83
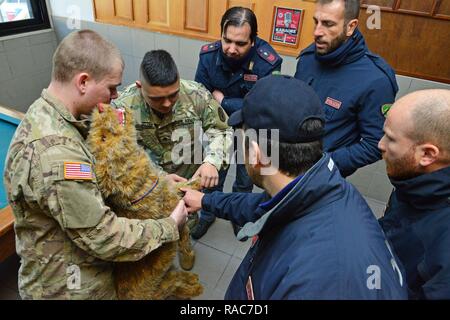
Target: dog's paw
187	260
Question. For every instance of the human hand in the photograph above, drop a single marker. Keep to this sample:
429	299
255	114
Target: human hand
180	214
208	174
192	199
218	95
174	178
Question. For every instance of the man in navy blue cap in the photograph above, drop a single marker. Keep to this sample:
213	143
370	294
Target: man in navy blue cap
314	236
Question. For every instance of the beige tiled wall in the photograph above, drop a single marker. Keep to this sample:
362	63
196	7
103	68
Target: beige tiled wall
25	68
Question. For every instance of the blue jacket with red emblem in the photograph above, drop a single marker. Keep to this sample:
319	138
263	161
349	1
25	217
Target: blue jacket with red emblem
353	84
417	223
215	73
316	239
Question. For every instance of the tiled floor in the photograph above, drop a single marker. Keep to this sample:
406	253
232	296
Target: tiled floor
218	255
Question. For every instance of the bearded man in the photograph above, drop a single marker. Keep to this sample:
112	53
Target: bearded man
352	83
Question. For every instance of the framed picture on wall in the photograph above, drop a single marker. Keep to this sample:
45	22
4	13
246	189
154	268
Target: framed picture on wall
287	25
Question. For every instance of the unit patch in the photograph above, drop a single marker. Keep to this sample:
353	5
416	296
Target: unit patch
222	115
385	109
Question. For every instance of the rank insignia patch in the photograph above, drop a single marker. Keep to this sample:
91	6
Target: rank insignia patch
268	56
209	47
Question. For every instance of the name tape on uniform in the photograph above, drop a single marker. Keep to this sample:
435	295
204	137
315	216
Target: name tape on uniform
333	103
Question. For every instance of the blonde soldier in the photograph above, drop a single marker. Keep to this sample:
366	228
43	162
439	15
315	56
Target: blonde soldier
170	113
65	235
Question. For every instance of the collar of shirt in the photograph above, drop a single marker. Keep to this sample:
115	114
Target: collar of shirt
81	125
166	119
268	205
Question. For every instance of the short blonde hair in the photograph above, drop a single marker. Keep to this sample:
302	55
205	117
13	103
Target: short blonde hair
84	51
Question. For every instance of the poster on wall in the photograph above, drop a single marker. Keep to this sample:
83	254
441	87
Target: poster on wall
287	25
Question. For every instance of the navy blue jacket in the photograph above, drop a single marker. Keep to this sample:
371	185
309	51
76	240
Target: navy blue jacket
353	85
417	223
320	241
215	73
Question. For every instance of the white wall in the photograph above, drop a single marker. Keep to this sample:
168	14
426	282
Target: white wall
67	8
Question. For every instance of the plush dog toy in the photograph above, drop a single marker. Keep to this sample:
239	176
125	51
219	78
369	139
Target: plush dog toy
130	185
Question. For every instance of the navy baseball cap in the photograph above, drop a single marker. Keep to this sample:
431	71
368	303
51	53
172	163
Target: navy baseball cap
280	102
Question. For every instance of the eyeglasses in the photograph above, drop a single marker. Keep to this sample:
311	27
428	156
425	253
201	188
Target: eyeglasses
172	97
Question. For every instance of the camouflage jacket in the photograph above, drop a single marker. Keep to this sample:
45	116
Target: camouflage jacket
65	235
175	141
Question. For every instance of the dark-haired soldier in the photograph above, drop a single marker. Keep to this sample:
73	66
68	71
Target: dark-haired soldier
231	66
169	113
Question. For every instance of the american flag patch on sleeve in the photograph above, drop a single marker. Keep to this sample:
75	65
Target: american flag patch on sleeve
77	171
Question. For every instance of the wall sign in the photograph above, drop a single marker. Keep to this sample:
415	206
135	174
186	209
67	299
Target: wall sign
287	26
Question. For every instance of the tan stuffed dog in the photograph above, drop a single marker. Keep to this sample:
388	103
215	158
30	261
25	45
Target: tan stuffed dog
131	186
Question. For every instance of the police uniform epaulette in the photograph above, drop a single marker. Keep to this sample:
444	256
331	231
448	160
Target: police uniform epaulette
210	47
382	65
376	60
268	55
374	57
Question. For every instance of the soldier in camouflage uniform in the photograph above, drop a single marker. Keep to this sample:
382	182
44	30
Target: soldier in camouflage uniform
169	115
65	235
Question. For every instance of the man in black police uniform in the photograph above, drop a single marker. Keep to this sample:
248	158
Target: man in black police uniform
230	67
